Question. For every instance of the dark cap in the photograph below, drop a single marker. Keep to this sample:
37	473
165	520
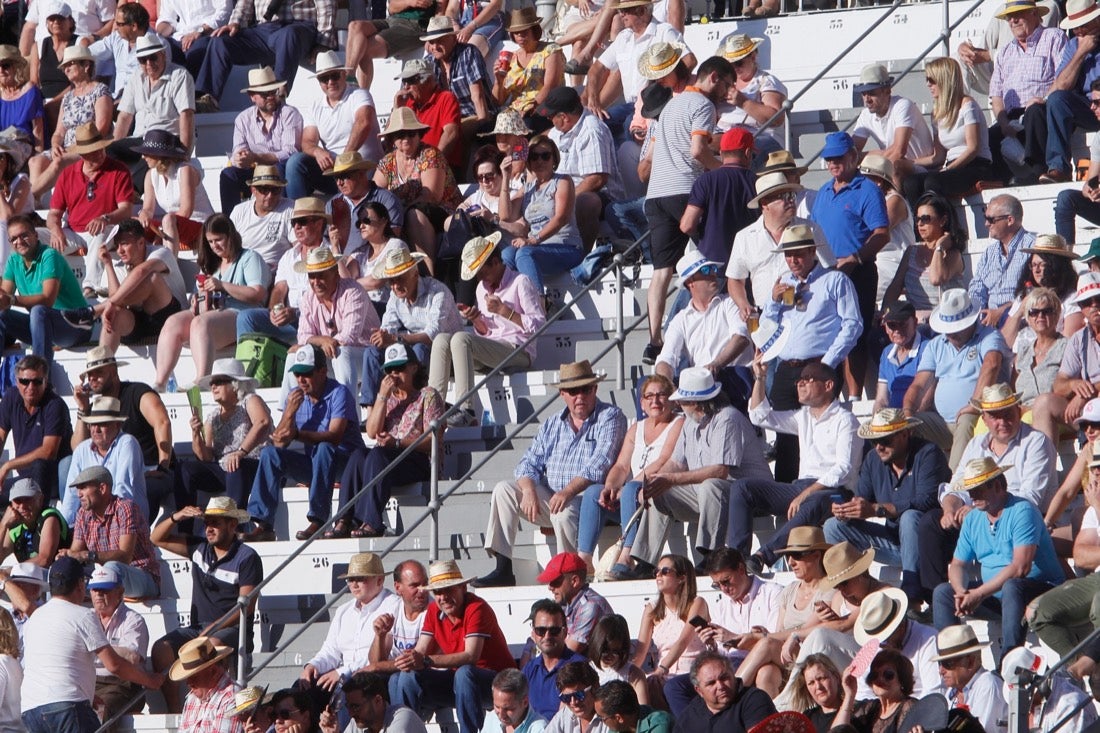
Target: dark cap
545	605
67	570
561	99
899	310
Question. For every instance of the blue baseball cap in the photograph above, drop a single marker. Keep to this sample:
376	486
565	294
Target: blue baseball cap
837	144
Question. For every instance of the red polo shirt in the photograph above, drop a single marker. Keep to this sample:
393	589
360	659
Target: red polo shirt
110	187
440	110
477	619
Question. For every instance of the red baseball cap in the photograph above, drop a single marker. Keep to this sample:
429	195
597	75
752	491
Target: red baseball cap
563	562
737	138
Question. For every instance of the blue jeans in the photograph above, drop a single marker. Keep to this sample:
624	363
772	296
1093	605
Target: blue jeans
191	59
893	546
258	320
594	517
61	717
618	117
1016	593
628	220
136	583
467	689
279	464
44	328
543	259
372	370
280	44
304	176
1070	204
760	497
1066	111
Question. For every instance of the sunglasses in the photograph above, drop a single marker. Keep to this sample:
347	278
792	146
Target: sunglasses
1087	425
89	191
995	219
303	221
1036	312
885	675
571	697
541	155
925	219
368	222
666	570
285	714
268	93
720	583
894	325
404	134
1090	303
343	176
544	630
574	391
305	375
631	11
266	190
708	270
486	177
37	381
220	382
144	61
1094	103
951	663
929	80
395	369
885	440
19	237
799	555
329	78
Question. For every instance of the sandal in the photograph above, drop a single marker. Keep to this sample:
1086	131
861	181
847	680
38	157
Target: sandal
339	531
364	531
575	68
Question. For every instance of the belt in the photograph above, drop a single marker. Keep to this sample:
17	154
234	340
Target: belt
796	363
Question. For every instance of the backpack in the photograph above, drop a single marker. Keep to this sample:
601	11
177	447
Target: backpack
264	358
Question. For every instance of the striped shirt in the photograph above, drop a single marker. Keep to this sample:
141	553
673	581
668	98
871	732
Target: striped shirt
674	168
559	454
1022	74
996	274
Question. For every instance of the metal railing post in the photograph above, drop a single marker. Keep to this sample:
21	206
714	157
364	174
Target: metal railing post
242	646
946	27
433	500
620	338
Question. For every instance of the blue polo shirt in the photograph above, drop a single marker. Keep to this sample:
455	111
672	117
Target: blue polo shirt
1090	67
848	216
543	683
28	431
916	488
957	370
991	544
336	401
898	375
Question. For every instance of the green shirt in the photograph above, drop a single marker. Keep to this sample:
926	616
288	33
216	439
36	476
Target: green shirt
47	264
653	721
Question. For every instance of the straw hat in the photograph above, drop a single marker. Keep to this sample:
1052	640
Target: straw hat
309	206
956	312
328	61
509	122
996	397
228	368
876	165
1078	13
1020	6
403	119
1050	244
799	236
351	160
476	252
438	27
224	506
88	140
659	59
769	338
148	45
634	3
886	421
805	539
977	473
696	385
267	175
780	160
74	53
262	79
364	565
522	19
737	46
770	184
873	77
195	656
880	614
444	574
99	357
576	374
104	409
843	561
957	641
396	261
246	700
318	260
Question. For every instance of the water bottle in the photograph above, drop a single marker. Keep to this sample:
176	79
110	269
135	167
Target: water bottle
172	384
486	419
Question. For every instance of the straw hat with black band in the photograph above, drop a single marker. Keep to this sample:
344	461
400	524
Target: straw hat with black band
957	641
576	374
262	79
781	160
195	656
880	615
267	175
770	184
805	539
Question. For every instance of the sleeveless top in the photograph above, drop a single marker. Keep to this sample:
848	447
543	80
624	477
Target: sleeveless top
25	541
919	289
795	618
523	83
665	634
605	675
538	210
902	237
166	188
230	431
645	454
51	79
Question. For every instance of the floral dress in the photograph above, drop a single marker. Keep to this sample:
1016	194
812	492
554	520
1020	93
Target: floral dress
408	189
523	83
80	110
410	418
229	432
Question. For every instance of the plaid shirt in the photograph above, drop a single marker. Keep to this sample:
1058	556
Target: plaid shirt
1021	74
558	455
996	275
584	612
319	13
215	713
121	517
467	69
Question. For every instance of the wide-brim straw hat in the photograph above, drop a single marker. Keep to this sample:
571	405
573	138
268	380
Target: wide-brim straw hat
880	614
1050	244
445	574
438	27
227	368
195	656
11	53
328	61
805	539
509	122
318	260
310	206
75	52
798	236
634	3
977	473
1078	13
364	565
262	79
475	254
659	59
737	46
224	506
996	397
88	140
246	700
522	19
99	357
103	409
403	119
770	184
781	160
957	640
351	160
267	175
396	261
886	422
1020	6
576	374
956	312
844	561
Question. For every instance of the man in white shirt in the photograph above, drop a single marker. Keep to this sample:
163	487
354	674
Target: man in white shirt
186	26
114	53
966	684
264	219
829	458
351	632
396	632
890	123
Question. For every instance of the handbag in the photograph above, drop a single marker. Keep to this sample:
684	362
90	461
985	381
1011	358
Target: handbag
611	554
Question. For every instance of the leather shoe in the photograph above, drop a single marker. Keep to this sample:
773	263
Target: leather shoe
259	533
495	579
1054	176
304	534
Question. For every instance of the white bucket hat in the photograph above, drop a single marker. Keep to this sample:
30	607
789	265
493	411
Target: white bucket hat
696	385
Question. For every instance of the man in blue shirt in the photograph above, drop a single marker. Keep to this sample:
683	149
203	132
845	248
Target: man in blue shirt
1006	536
899	487
1067	102
851	210
548	630
997	273
322	414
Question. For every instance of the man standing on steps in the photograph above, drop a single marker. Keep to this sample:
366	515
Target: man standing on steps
573	450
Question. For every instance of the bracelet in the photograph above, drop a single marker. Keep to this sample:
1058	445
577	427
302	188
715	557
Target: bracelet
664	667
172	519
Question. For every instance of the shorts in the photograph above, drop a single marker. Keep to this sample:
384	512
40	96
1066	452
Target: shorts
667	243
149	325
400	34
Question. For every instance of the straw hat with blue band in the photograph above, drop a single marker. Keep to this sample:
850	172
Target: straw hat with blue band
696	385
1020	6
956	312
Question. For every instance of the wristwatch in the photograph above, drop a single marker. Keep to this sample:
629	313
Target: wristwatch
880	510
428	663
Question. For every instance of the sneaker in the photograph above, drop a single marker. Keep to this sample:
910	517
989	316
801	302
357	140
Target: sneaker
650	354
206	104
462	419
495	579
79	317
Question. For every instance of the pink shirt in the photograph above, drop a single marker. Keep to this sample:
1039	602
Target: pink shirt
517	292
350	321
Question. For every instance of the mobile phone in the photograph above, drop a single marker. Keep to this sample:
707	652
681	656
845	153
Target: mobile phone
699	622
837	498
1094	182
473	208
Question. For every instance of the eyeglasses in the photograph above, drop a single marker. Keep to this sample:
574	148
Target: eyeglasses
571	697
486	177
303	221
1090	303
785	196
544	630
89	191
37	381
285	714
655	396
995	219
141	62
574	391
329	78
541	155
19	237
925	219
1036	312
666	570
720	583
804	379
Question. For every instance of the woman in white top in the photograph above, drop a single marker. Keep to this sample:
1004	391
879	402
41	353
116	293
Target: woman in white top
880	169
377	233
645	450
754	97
935	263
610	655
174	184
11	675
960	137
